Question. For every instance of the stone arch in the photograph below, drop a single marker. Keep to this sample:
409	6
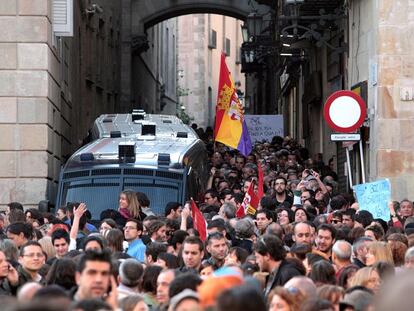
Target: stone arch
147	13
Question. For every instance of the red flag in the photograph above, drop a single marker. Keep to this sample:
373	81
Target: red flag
250	203
200	223
260	191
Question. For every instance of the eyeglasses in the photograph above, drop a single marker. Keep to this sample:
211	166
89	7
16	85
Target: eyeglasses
292	290
33	255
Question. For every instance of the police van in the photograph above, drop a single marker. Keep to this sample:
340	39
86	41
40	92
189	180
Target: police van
154	154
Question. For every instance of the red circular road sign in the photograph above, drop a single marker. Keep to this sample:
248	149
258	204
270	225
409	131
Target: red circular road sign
344	111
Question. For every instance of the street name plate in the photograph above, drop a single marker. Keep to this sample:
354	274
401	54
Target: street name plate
345	137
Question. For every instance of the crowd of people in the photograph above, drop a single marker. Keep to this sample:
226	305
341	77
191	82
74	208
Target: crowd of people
304	247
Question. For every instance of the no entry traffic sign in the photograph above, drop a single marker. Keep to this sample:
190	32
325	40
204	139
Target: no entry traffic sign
344	111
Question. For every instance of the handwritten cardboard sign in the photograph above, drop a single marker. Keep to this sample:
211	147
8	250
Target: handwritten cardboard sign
264	127
374	198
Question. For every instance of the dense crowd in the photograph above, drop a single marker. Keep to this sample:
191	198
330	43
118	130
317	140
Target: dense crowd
305	247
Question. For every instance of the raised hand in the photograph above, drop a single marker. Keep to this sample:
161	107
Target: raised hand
112	298
78	212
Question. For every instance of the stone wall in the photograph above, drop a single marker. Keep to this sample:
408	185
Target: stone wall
28	89
47	102
394	130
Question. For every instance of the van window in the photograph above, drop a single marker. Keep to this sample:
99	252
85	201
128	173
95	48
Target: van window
98	193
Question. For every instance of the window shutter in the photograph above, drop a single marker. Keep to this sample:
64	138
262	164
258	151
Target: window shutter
63	18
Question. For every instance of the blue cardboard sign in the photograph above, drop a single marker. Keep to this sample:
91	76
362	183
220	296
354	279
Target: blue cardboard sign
374	198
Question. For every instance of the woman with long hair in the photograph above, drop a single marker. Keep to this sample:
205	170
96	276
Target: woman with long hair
115	239
129	206
367	277
286	299
379	251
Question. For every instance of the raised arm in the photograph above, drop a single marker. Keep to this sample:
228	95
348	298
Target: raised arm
77	214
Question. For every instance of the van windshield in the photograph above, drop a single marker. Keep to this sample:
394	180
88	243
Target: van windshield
101	193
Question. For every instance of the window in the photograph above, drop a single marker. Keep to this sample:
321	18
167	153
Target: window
212	40
62	11
227	47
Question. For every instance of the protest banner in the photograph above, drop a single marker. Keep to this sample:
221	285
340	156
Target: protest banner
264	127
374	198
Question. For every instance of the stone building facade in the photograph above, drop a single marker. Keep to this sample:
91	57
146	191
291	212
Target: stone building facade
381	53
51	89
201	40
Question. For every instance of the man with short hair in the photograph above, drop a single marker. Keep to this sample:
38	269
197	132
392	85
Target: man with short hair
302	233
132	233
325	239
60	241
406	210
216	225
212	198
31	261
239	162
348	218
217	247
282	196
306	195
152	251
270	257
360	251
304	284
341	255
173	210
93	275
193	253
263	219
130	274
163	285
227	211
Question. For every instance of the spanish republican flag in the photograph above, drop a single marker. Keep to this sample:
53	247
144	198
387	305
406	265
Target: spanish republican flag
230	128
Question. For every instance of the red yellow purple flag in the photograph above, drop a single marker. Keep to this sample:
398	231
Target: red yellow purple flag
230	128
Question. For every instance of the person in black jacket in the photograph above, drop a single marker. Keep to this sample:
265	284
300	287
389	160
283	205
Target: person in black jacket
271	258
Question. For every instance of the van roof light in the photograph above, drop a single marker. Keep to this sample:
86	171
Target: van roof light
164	159
148	129
137	114
126	152
182	135
116	134
88	156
